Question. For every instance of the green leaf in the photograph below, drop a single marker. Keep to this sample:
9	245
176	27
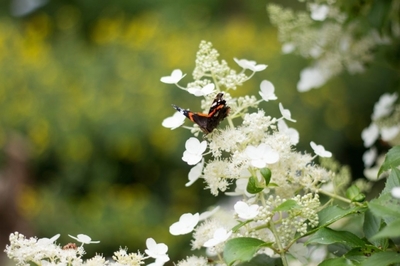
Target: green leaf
354	194
331	214
361	253
266	173
262	260
371	227
389	231
386	207
328	236
392	160
392	181
336	261
242	249
287	206
252	186
382	258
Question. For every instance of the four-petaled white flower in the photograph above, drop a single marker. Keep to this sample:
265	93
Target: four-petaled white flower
175	77
267	91
370	134
384	106
245	211
209	88
396	192
320	150
174	121
84	239
248	64
47	241
195	173
262	155
185	225
286	113
220	235
194	151
157	251
292	133
319	12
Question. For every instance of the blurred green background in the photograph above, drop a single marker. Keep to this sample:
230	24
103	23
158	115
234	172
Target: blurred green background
81	106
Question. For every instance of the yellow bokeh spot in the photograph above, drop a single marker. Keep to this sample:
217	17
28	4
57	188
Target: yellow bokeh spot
39	134
79	148
28	202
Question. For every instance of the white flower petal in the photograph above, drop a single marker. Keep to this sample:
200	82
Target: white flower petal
245	211
369	157
389	133
174	78
384	106
319	12
174	121
311	77
370	135
155	250
220	235
287	48
195	173
252	65
267	91
286	113
207	214
320	150
185	225
396	192
209	88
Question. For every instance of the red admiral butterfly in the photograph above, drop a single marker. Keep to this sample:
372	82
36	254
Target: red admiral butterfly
208	122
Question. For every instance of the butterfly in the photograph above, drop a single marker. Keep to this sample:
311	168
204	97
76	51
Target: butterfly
208	122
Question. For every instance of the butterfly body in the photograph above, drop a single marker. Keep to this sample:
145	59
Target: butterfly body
208	122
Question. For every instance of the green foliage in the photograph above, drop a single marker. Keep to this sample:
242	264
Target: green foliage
242	249
392	161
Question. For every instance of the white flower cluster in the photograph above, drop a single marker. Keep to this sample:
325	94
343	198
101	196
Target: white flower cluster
44	252
326	36
385	125
256	156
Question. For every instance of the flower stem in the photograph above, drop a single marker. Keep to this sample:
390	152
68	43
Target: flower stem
335	196
278	242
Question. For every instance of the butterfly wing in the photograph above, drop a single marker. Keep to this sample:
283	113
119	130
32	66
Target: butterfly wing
208	122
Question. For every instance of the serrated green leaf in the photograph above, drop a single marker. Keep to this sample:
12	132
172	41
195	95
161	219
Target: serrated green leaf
328	236
392	181
287	206
386	207
382	258
389	231
252	186
336	262
371	227
266	173
242	249
392	160
331	214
